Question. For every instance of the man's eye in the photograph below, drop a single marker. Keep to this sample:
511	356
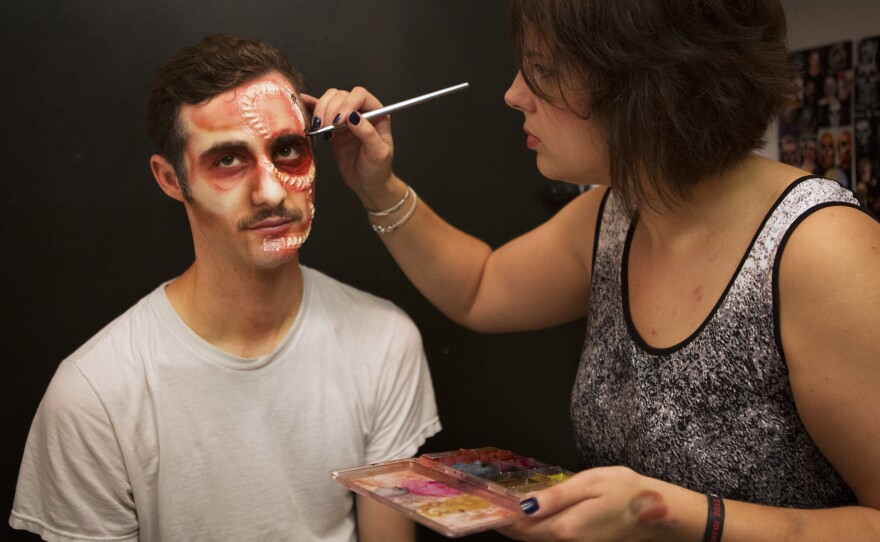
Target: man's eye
288	153
227	161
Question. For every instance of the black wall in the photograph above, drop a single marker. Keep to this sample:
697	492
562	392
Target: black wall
86	231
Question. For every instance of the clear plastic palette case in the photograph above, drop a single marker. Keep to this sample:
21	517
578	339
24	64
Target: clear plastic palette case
455	493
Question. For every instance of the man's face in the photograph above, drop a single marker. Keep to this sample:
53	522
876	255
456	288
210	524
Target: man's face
251	172
867	53
844	149
863	132
814	64
789	152
809	150
864	170
826	151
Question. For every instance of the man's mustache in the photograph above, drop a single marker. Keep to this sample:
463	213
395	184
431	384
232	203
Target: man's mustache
263	214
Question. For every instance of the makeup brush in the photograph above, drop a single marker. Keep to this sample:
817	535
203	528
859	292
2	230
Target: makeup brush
393	107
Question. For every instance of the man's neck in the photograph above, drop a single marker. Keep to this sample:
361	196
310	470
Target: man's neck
245	313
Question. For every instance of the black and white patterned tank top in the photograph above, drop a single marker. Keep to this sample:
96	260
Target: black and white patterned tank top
714	413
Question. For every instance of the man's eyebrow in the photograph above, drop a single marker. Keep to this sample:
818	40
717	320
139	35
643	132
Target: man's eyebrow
222	148
290	140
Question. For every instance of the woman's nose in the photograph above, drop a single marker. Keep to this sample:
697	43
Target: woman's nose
519	96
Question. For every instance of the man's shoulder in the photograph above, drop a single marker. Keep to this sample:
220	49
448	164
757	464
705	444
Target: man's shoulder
120	340
353	299
355	315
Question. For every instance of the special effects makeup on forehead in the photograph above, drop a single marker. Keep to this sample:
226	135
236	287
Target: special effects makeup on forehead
257	103
299	110
266	107
251	99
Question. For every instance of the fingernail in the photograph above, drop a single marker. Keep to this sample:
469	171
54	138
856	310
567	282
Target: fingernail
337	118
354	118
529	506
316	122
328	135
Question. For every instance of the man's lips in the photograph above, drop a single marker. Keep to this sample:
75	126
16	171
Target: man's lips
272	226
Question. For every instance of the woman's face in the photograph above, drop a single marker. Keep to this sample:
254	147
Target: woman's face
568	148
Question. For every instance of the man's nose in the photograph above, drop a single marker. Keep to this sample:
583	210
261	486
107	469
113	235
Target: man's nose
269	188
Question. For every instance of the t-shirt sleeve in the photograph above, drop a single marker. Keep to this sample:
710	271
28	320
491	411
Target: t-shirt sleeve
405	409
73	483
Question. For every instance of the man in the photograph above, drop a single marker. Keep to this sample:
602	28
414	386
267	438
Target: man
788	150
844	152
826	151
215	407
808	154
827	163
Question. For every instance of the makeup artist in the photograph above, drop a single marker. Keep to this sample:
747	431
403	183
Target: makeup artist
728	384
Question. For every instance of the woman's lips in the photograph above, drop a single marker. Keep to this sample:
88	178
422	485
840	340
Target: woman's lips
531	140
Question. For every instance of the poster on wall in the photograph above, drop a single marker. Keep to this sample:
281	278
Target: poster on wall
866	122
816	129
831	127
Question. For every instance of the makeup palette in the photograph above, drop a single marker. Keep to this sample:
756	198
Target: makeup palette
455	493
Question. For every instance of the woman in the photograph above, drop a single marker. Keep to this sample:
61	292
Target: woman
726	354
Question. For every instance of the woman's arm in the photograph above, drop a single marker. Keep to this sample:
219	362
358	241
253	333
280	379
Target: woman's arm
829	298
537	280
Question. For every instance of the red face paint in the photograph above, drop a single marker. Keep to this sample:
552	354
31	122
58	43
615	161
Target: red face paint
247	152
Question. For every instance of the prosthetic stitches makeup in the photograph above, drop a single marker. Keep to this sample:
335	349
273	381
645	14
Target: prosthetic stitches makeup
256	106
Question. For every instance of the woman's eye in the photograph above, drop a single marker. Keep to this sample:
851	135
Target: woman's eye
540	71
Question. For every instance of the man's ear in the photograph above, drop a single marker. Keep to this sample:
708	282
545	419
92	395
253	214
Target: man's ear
164	173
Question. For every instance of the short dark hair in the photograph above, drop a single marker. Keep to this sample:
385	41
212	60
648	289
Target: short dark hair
197	73
678	89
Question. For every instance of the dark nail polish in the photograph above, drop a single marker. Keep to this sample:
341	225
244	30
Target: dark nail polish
328	135
529	506
354	118
337	118
316	123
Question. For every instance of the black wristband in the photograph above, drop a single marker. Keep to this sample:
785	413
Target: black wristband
715	520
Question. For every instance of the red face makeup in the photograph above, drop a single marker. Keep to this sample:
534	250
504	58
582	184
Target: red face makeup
249	144
262	105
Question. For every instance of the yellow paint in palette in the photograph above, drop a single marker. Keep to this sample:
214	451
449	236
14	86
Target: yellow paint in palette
560	477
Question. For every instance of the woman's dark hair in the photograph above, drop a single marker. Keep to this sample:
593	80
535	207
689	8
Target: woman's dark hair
197	73
678	89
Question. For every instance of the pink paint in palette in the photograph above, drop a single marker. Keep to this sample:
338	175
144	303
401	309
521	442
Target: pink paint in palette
455	493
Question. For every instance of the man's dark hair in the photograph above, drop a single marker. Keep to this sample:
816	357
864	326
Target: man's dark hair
678	89
197	73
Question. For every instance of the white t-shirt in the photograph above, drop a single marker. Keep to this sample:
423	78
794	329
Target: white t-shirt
148	432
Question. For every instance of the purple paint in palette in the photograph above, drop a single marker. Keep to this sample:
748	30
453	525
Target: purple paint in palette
431	488
457	492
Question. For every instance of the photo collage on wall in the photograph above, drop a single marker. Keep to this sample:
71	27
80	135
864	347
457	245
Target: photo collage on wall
830	127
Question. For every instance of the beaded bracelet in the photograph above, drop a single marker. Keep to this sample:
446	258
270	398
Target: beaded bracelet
396	206
715	519
388	229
